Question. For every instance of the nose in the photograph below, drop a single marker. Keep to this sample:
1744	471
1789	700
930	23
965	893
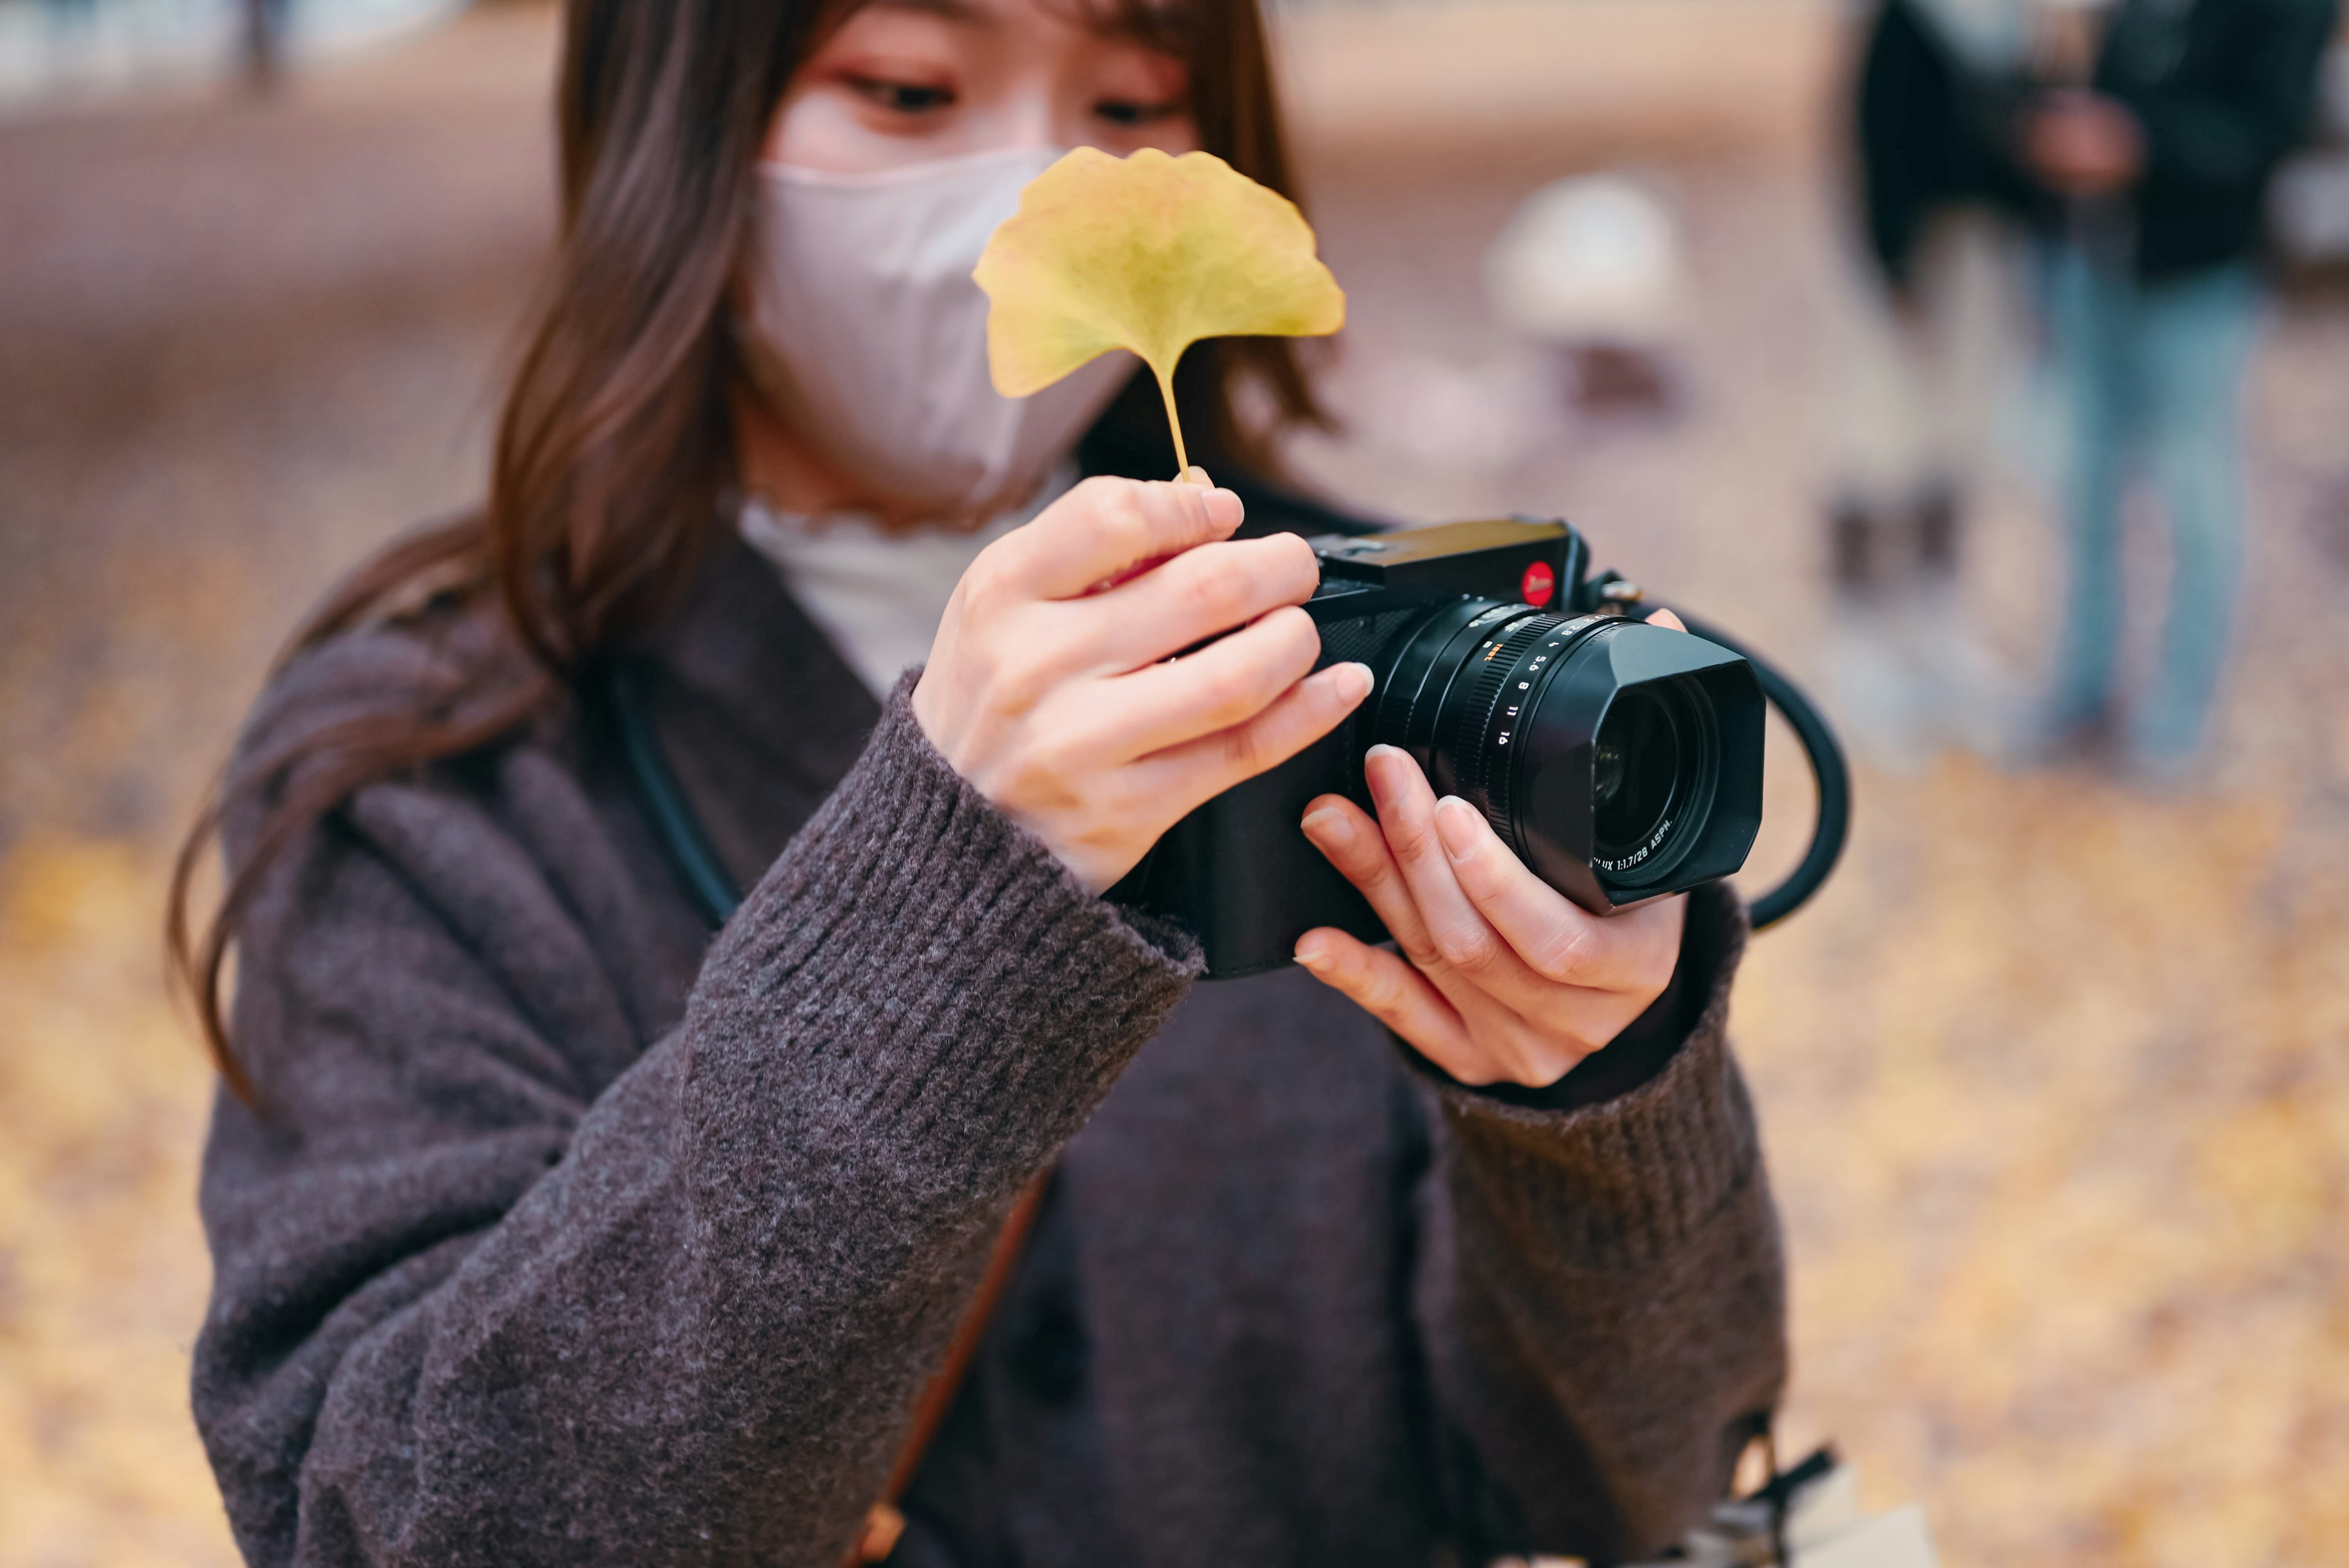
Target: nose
1032	119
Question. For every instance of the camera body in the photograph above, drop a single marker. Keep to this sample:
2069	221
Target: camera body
1621	760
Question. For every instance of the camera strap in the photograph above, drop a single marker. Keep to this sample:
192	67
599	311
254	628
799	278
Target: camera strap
685	843
883	1522
676	825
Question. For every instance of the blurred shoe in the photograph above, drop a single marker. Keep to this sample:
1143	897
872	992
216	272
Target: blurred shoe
1859	558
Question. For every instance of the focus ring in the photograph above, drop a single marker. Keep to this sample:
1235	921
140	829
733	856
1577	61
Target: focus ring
1558	636
1480	741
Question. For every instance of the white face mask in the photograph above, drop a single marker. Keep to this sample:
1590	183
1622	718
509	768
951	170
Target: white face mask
869	336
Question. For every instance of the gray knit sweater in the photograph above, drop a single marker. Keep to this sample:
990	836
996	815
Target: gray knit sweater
567	1235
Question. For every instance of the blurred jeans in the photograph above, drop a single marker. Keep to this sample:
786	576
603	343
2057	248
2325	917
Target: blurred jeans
2154	378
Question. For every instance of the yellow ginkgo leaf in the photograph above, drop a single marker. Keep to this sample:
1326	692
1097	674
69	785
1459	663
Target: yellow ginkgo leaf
1148	253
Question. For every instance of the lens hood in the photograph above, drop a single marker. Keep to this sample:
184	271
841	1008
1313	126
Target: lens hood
1696	710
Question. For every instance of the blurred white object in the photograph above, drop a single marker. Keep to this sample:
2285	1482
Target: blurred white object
2308	205
1895	1539
1592	260
2308	208
1824	1528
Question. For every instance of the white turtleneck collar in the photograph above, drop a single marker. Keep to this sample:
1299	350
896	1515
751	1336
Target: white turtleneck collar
878	597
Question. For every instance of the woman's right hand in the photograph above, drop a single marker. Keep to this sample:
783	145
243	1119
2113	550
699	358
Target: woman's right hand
1053	685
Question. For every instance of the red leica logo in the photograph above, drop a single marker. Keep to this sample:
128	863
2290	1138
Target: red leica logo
1537	586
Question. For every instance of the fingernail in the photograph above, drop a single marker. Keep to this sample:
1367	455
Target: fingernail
1457	824
1224	506
1376	777
1353	682
1310	954
1329	827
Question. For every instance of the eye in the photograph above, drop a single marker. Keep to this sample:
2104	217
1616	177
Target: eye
1125	112
903	98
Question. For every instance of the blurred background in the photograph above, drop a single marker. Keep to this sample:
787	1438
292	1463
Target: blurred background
2055	1077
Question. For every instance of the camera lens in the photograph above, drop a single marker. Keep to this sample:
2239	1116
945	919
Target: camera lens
1619	761
1635	768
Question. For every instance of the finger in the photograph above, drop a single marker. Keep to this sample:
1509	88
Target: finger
1482	1044
1668	620
1390	991
1557	939
1350	840
1226	683
1191	598
1108	526
1199	770
1463	939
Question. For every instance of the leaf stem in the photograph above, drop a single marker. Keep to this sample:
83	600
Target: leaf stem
1173	419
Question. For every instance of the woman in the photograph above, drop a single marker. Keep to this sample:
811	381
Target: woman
550	1227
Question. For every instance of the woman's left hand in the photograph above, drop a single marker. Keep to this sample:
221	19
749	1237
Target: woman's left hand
1506	981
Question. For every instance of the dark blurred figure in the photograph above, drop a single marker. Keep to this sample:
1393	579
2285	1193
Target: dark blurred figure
2152	178
266	26
1942	211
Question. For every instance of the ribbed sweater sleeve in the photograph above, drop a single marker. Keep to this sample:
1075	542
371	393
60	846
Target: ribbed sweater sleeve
473	1306
1602	1289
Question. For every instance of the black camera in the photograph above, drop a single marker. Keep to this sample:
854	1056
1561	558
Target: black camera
1621	760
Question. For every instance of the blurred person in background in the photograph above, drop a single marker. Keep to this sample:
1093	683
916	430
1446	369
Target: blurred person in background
566	1207
2151	166
1931	359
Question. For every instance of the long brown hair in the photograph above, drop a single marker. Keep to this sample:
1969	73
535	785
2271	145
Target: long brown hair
614	443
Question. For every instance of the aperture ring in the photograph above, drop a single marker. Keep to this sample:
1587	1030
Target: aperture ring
1417	682
1511	664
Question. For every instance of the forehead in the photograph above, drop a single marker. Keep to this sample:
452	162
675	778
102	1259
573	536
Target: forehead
1165	25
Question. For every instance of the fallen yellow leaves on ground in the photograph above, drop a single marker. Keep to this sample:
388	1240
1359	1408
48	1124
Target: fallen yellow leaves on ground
1149	254
102	1270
